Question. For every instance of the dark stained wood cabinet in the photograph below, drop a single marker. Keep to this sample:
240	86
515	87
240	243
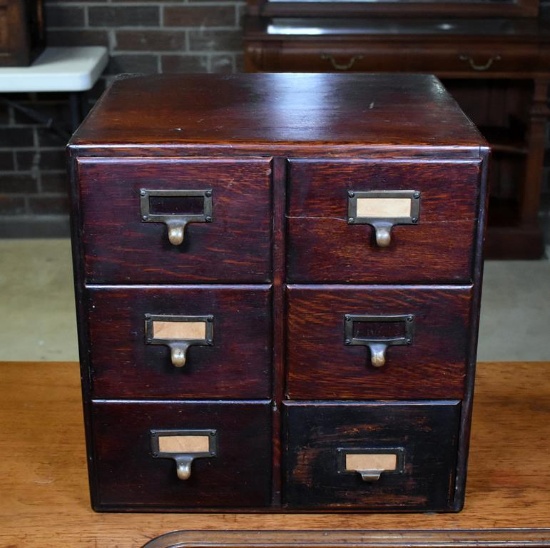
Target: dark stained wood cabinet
22	31
278	292
493	56
320	437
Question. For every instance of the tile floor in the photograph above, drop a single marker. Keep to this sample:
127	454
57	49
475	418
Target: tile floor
37	317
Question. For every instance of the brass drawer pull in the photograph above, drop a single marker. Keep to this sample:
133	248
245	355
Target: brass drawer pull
176	209
341	66
176	232
183	446
475	66
382	210
378	332
370	464
179	333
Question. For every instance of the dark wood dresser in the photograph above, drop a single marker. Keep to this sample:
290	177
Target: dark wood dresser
493	56
278	286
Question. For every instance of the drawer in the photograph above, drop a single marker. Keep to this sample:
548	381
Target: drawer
173	455
180	342
132	209
376	342
377	456
430	56
382	221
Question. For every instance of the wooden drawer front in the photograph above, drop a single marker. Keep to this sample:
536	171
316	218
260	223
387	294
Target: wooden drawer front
237	363
430	56
119	247
438	247
319	437
128	476
321	365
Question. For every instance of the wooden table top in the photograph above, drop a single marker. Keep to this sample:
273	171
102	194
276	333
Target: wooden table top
44	491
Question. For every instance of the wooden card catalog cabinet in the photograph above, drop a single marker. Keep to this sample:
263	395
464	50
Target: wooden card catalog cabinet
309	344
22	32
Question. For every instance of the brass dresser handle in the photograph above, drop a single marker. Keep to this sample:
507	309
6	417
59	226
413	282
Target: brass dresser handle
341	66
382	209
382	234
378	354
179	333
183	447
176	232
475	66
178	354
176	223
358	332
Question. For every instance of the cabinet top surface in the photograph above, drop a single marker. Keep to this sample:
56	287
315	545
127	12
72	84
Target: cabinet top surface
442	28
378	110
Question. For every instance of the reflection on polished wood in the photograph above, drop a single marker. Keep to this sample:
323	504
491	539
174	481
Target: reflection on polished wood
44	500
477	8
494	63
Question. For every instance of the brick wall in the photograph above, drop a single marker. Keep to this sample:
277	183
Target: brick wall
145	36
153	36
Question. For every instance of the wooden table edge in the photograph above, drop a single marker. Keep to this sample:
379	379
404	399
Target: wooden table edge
478	538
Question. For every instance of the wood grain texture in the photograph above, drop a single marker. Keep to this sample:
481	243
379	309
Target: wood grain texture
280	110
120	248
125	475
351	539
427	434
320	366
323	247
45	501
236	366
279	317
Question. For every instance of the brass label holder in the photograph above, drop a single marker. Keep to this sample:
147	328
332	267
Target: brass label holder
382	209
179	333
176	223
371	463
378	344
184	446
